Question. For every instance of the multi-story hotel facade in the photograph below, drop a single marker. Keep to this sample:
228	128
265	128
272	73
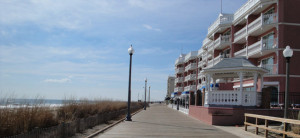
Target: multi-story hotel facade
254	37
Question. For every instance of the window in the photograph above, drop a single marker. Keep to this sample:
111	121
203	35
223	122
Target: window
268	41
268	64
269	17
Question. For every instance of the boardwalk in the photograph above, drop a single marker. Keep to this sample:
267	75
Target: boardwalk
161	121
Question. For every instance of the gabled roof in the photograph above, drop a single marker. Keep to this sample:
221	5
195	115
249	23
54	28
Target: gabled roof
233	64
236	62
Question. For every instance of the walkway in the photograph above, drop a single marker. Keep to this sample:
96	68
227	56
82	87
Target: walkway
161	121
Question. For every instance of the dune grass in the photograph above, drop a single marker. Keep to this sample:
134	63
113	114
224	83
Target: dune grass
17	120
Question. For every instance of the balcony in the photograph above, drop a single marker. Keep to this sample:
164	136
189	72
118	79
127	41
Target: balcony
258	49
222	41
240	34
179	80
257	27
190	77
179	60
178	89
262	24
251	6
191	66
209	64
190	88
222	20
218	97
217	59
191	55
200	64
241	53
210	47
272	68
179	70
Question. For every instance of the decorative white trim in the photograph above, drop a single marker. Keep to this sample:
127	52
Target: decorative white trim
282	75
244	85
271	83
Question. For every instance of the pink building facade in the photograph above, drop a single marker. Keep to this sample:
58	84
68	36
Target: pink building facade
258	31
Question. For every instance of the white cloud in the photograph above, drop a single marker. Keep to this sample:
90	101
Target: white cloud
63	80
151	28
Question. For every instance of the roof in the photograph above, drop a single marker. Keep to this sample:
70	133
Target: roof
233	63
236	63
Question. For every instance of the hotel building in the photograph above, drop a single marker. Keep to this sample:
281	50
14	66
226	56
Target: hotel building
240	64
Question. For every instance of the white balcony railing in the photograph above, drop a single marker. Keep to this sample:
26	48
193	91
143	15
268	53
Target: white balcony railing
178	89
190	88
240	34
190	77
240	53
209	64
199	64
179	70
264	19
258	47
179	80
269	18
217	59
191	66
222	19
210	47
232	98
222	41
272	68
242	10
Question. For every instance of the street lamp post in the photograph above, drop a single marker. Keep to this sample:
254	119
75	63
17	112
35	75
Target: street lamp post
287	53
149	97
145	93
128	117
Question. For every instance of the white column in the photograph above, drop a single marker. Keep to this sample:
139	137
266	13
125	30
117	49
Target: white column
261	82
255	81
214	83
240	96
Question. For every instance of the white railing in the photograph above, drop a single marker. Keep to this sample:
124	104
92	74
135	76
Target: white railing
210	63
254	48
256	24
206	41
190	88
179	60
241	11
217	59
240	53
179	79
222	40
179	70
210	46
262	20
267	44
187	88
178	89
269	18
224	19
199	64
191	66
272	68
190	77
232	98
240	34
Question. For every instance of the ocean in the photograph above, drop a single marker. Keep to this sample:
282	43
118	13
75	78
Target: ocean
14	103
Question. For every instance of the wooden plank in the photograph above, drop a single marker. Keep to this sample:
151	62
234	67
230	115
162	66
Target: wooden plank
278	119
273	130
245	124
284	128
266	130
256	128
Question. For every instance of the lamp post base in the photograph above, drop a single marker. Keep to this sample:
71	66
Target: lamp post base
128	118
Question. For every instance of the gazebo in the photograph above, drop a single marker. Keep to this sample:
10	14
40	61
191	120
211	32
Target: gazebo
234	71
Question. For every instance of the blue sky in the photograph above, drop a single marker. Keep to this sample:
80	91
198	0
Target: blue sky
78	48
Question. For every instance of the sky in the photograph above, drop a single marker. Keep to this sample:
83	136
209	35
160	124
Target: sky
57	49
